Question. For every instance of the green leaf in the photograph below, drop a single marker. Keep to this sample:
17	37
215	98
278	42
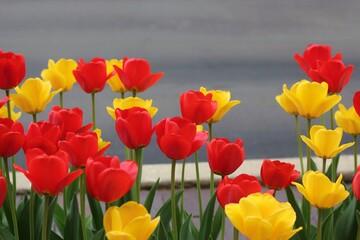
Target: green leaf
59	219
334	161
165	210
71	190
206	224
96	213
346	225
5	234
215	230
186	230
99	235
54	236
162	233
299	216
150	197
313	165
72	228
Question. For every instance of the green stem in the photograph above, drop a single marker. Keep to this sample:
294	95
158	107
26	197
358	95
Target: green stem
8	103
34	118
134	92
333	170
212	187
319	225
182	187
122	95
61	99
223	224
332	118
298	133
11	199
173	201
93	109
322	120
324	166
82	204
44	230
235	234
308	164
198	185
355	153
32	214
139	161
307	216
107	206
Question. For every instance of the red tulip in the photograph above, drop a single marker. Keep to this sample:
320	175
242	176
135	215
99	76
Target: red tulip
12	69
136	74
49	174
2	189
43	135
107	179
312	54
134	127
334	73
92	76
197	107
80	147
69	120
12	137
225	157
278	175
356	184
356	102
232	190
177	137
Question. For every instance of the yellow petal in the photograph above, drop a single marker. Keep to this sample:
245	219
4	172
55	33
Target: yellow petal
115	235
112	220
130	210
257	228
232	211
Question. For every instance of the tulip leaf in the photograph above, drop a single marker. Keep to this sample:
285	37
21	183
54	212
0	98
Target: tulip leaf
150	197
335	162
54	236
161	232
23	217
186	230
165	210
59	218
358	217
5	234
299	216
206	224
99	235
346	225
72	228
96	213
215	230
71	190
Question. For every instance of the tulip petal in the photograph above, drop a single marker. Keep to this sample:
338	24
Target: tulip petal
117	235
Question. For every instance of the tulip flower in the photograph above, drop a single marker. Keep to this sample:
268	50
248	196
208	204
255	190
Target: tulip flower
131	102
12	137
48	174
320	191
356	184
334	73
223	103
33	96
12	69
4	112
43	135
101	143
2	189
197	107
261	216
177	137
312	54
348	120
278	175
60	74
107	179
311	98
325	143
285	102
91	76
114	82
225	157
232	190
134	127
69	120
136	74
79	147
356	102
129	221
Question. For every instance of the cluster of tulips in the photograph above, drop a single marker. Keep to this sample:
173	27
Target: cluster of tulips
65	156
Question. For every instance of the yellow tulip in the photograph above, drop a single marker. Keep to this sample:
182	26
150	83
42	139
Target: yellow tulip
101	143
325	143
223	100
114	82
311	98
33	96
348	120
261	216
60	74
130	221
285	102
320	191
4	112
130	102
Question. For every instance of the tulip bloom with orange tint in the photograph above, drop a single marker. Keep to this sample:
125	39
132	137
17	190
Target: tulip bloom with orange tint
48	174
225	157
136	74
178	138
232	190
134	127
43	135
12	137
2	189
312	55
107	179
278	175
91	76
356	184
12	69
80	146
197	106
69	120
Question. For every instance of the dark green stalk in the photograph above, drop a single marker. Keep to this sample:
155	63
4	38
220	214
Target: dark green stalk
139	161
298	133
93	110
134	92
107	206
235	234
61	99
44	230
355	153
308	165
223	224
173	201
13	157
82	204
182	187
122	95
324	166
212	185
332	125
32	214
198	185
307	205
319	225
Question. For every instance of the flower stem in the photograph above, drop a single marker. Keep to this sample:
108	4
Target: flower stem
198	185
332	118
107	206
308	164
235	234
34	118
182	187
324	166
11	199
139	161
223	224
93	109
211	173
134	92
319	225
61	99
355	153
298	133
45	218
122	95
32	214
82	204
173	201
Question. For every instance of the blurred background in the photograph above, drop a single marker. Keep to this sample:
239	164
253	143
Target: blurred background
245	46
